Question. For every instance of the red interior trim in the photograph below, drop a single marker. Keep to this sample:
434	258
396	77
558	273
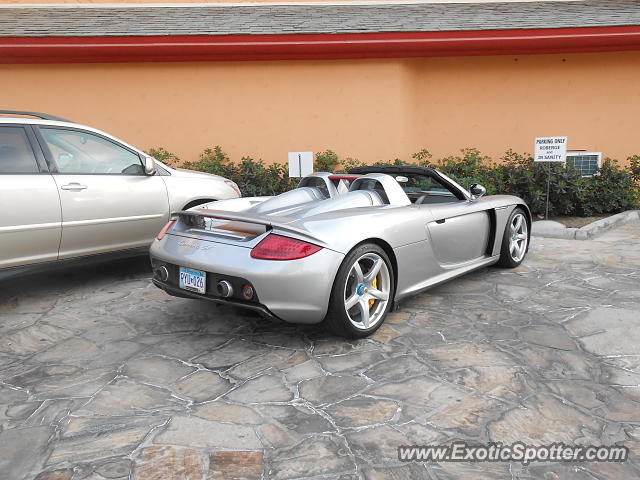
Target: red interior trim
188	48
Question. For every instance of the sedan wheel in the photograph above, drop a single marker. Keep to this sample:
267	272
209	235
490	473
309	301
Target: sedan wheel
362	293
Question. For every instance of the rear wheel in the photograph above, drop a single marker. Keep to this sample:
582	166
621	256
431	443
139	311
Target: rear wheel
515	241
362	293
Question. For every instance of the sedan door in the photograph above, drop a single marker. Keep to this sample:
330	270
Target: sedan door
108	202
30	218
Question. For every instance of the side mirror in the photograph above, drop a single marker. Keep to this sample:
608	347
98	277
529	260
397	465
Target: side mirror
149	165
476	190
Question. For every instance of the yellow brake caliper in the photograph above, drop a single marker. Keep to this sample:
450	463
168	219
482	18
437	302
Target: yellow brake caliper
374	284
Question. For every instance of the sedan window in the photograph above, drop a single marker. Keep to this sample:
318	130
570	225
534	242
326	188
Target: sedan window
78	152
16	155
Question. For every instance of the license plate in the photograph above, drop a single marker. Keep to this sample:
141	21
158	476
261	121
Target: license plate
193	280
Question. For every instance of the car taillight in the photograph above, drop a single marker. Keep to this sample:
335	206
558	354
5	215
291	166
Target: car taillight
278	247
165	229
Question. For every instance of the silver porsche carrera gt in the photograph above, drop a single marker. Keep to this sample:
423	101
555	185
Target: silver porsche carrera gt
339	249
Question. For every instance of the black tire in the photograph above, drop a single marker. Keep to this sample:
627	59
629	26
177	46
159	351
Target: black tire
507	258
338	320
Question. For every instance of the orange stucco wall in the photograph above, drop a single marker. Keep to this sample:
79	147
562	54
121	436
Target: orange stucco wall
367	109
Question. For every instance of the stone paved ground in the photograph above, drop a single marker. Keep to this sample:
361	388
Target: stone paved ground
102	376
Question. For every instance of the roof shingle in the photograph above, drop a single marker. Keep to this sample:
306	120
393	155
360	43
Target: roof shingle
313	18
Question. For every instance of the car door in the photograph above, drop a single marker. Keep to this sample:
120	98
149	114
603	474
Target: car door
459	231
458	227
30	217
108	202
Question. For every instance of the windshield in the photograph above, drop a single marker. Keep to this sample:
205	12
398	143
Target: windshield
422	189
448	179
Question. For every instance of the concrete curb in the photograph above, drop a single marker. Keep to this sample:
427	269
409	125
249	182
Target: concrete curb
550	229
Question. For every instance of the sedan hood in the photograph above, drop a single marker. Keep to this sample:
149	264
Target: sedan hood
183	172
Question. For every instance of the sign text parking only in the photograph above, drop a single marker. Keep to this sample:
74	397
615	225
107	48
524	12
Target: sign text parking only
550	149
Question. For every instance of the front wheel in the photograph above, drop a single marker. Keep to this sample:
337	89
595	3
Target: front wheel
515	241
362	293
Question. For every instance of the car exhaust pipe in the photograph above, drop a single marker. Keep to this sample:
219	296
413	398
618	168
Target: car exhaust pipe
161	273
225	289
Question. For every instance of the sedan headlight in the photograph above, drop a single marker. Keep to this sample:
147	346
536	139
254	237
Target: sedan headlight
234	185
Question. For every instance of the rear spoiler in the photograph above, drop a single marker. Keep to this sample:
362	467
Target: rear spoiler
271	222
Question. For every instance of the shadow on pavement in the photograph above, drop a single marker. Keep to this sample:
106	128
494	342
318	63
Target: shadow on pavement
51	279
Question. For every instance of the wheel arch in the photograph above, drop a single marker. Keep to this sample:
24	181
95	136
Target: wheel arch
198	201
334	320
392	258
506	258
529	218
502	214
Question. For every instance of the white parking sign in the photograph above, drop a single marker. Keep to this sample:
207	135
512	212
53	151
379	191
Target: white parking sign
550	149
300	164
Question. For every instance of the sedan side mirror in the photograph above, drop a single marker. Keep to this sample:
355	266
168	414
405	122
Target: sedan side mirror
149	165
476	190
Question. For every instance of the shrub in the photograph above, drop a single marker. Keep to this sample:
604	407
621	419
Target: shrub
253	177
328	161
213	161
614	189
348	164
523	177
164	156
471	167
256	179
423	157
634	167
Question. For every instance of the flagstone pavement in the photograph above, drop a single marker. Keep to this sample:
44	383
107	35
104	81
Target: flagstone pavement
103	376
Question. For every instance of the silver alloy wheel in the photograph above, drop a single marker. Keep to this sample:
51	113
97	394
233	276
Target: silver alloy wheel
367	290
518	238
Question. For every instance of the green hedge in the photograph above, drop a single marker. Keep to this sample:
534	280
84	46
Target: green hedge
615	189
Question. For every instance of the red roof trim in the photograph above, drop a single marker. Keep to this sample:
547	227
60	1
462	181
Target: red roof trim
187	48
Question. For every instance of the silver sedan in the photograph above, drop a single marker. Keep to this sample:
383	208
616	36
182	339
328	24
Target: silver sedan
67	191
